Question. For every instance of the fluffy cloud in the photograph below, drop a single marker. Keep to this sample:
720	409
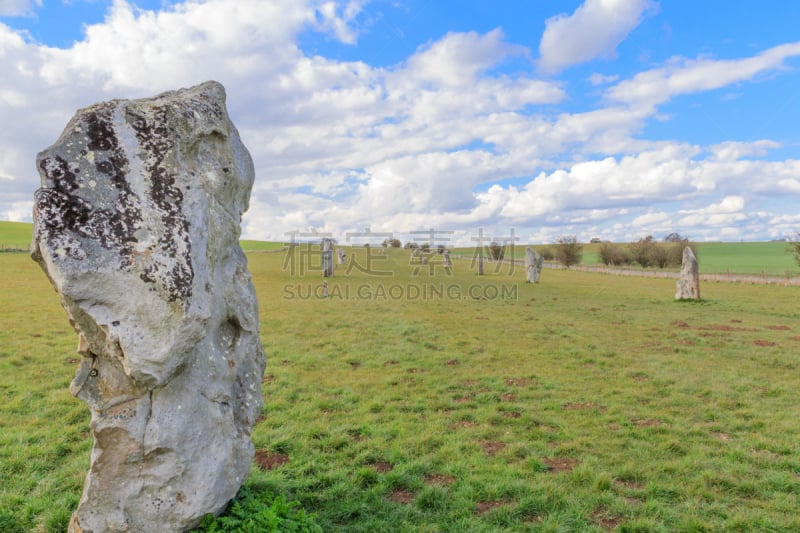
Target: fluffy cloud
684	76
593	30
17	8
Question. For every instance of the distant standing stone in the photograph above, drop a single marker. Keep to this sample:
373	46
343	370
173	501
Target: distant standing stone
137	224
341	256
480	265
689	281
533	265
327	258
448	263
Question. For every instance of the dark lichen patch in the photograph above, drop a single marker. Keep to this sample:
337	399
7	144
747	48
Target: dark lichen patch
157	140
90	199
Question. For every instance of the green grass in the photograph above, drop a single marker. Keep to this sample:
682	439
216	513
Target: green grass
261	246
747	258
582	403
15	235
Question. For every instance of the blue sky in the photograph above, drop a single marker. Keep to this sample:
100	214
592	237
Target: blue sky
598	118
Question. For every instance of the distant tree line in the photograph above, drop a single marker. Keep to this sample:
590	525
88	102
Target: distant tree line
646	252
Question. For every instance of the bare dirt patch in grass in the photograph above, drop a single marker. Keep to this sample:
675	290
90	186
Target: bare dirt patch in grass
583	406
391	362
724	437
605	519
764	342
560	464
492	447
440	480
452	362
797	338
267	460
268	378
401	496
725	327
381	467
779	328
520	382
680	324
511	414
486	506
629	484
508	397
415	370
463	424
646	422
470	383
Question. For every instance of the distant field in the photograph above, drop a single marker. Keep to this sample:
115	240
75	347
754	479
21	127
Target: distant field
15	235
260	246
771	258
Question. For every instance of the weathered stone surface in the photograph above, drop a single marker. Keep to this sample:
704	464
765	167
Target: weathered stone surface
689	280
137	227
327	257
533	265
446	260
341	256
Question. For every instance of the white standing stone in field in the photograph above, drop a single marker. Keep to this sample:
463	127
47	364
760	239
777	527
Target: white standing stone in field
341	256
689	280
327	257
137	227
533	265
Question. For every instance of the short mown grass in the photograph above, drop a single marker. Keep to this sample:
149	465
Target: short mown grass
422	401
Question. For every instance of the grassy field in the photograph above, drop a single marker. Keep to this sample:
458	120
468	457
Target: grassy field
419	402
15	235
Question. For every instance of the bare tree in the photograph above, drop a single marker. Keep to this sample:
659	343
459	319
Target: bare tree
794	247
497	251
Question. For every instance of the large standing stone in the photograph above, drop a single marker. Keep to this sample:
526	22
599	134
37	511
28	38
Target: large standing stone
689	280
533	265
137	227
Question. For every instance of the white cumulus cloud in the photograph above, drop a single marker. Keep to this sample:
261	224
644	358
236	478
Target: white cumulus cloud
594	30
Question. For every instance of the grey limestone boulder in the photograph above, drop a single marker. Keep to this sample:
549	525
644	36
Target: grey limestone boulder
689	280
327	257
533	265
137	224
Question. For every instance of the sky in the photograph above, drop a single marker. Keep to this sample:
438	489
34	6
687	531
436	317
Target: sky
524	119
